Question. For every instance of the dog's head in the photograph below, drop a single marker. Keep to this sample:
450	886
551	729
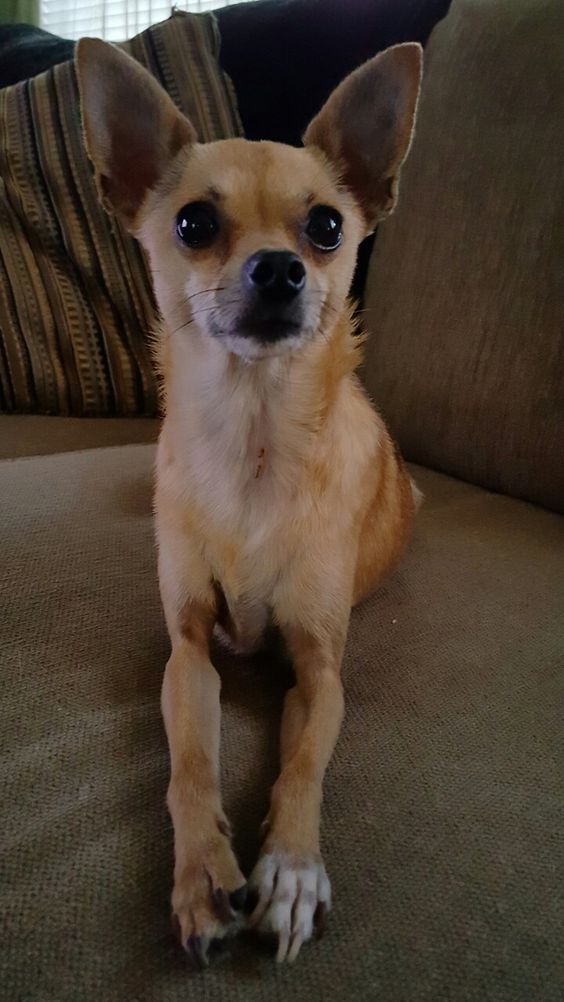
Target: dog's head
252	244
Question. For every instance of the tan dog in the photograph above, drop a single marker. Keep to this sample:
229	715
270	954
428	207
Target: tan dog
280	497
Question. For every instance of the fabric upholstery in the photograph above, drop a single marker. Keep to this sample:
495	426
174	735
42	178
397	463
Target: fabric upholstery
38	435
76	308
464	298
444	806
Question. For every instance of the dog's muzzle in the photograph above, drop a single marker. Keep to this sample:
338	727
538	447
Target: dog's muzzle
273	282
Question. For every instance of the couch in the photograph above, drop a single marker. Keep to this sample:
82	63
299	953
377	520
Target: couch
443	825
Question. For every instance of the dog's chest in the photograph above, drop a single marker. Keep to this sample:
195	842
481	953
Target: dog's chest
239	452
244	468
250	545
252	511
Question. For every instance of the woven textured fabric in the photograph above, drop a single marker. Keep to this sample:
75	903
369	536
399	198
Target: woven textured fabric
444	803
38	435
75	298
465	291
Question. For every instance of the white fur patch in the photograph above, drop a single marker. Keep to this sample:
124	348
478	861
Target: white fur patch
418	495
290	891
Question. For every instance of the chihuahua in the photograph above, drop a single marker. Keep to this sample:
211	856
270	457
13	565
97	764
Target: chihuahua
280	498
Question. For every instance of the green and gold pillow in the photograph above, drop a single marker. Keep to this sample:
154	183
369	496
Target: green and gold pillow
76	308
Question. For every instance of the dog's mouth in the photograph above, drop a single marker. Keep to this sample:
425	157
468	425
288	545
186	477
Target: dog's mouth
260	333
268	330
252	342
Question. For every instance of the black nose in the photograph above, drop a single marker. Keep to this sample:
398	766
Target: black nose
277	276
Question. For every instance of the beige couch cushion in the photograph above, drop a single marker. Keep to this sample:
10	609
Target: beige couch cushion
444	806
39	435
465	297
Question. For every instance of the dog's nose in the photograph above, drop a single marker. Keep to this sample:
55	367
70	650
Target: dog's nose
277	276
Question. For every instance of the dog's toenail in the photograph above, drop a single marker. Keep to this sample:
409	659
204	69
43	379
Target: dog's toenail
252	901
196	952
238	898
221	905
176	930
320	919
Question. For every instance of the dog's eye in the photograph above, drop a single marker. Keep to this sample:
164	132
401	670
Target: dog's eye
324	227
197	225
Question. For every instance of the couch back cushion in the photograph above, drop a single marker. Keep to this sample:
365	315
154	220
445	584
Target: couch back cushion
465	295
75	303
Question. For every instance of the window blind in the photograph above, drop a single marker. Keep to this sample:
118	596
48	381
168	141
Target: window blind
114	20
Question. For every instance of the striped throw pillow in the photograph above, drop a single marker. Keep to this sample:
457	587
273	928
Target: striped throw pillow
76	308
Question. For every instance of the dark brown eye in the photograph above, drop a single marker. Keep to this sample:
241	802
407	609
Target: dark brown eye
325	227
197	225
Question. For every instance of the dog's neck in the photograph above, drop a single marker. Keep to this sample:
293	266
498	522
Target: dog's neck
258	418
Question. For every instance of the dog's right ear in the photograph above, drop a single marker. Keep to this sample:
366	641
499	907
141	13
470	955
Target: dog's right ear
132	128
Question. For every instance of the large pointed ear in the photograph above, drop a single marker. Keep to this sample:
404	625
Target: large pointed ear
132	128
365	126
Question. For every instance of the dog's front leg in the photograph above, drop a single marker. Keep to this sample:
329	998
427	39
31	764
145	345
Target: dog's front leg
207	879
290	878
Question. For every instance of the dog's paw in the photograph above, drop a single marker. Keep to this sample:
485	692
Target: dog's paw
294	895
209	892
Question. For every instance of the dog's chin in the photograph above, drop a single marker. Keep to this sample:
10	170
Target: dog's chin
252	343
249	349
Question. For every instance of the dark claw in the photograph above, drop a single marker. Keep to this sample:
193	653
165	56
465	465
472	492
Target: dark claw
320	919
176	930
221	905
196	952
238	898
189	953
251	902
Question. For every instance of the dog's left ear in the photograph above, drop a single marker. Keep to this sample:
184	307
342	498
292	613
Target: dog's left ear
365	127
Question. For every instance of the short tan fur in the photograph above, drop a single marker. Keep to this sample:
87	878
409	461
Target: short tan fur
280	497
